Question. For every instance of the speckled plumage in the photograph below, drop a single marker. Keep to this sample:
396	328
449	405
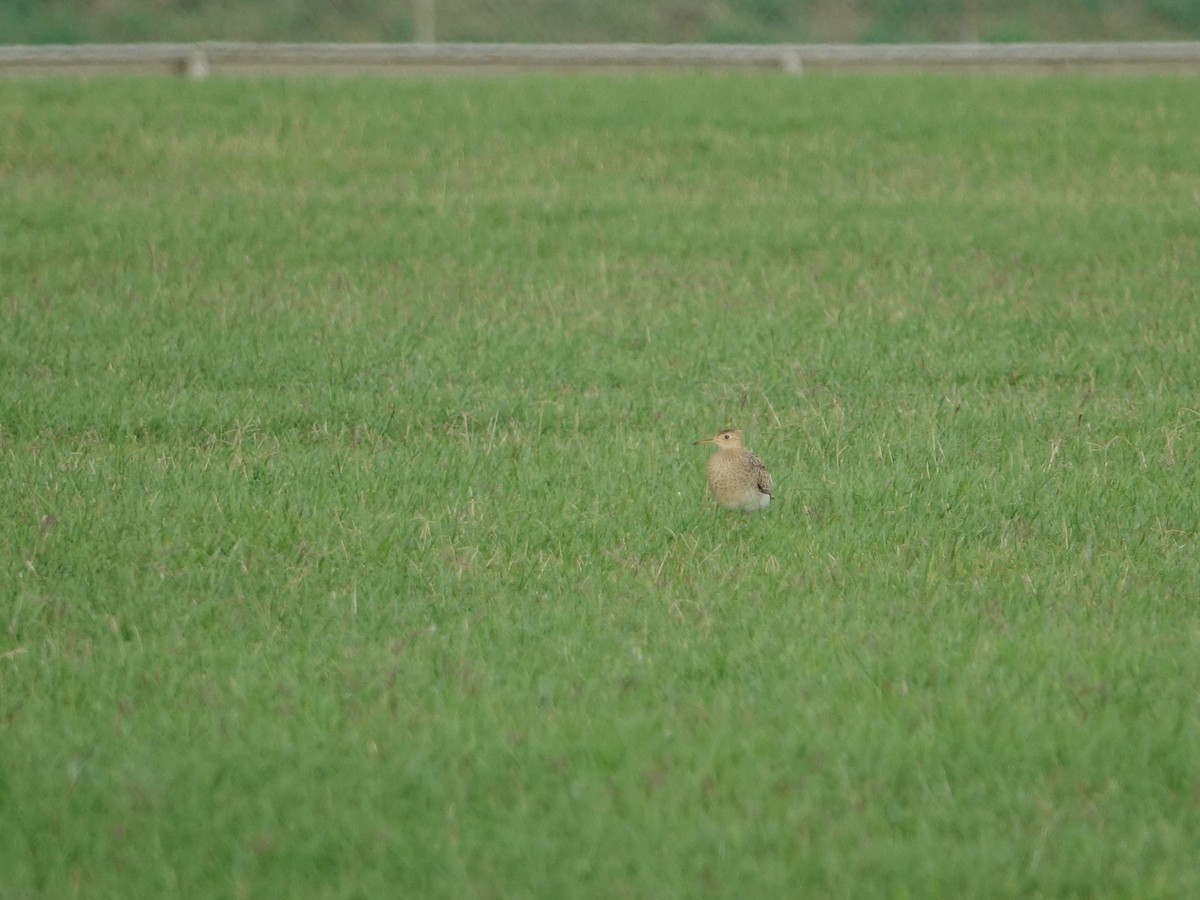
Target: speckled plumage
737	478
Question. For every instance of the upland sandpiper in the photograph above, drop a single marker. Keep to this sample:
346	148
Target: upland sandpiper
738	479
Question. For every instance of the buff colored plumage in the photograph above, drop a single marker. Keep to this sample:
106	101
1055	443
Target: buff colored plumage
738	479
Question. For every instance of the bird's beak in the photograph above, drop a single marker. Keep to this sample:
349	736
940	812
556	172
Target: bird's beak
705	441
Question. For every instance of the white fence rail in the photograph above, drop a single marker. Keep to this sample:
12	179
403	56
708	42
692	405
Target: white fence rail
199	60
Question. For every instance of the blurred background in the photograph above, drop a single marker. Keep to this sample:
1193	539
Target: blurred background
572	21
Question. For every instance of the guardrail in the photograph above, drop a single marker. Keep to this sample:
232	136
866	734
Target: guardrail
203	59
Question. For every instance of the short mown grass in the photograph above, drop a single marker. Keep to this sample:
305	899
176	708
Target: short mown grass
352	541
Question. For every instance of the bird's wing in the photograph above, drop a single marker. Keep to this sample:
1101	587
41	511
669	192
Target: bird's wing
763	476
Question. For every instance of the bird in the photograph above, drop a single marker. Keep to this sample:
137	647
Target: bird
737	478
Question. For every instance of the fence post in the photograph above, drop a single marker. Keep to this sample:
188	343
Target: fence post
195	64
791	61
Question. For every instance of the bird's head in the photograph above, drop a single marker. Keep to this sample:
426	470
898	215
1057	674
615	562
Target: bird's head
728	439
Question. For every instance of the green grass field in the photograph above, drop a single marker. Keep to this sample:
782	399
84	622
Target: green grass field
353	542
